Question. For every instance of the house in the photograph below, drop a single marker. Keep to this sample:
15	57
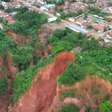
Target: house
10	19
7	17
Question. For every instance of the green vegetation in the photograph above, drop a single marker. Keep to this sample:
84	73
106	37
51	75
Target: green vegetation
5	46
68	77
97	62
22	83
22	55
61	39
96	11
105	106
14	9
28	22
68	40
65	15
5	42
3	85
55	1
94	62
93	59
67	94
24	78
69	108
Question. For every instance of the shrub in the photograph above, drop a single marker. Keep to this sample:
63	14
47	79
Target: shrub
106	106
22	83
68	77
61	46
22	55
69	108
3	85
67	94
5	42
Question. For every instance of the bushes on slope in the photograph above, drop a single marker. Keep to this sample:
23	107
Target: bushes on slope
69	108
28	22
93	59
22	56
24	79
3	85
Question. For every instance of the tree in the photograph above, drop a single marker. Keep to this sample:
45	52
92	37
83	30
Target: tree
7	64
56	1
28	22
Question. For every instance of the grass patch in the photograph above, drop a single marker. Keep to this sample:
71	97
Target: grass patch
67	94
69	108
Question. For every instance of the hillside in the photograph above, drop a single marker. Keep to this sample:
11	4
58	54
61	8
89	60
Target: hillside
56	56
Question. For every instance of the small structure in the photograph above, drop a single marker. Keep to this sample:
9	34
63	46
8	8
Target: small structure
76	28
48	7
52	19
7	17
99	27
108	10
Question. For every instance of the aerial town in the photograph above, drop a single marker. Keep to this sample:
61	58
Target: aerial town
55	55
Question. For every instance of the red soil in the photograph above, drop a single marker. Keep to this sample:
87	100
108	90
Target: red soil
17	38
94	91
3	103
40	95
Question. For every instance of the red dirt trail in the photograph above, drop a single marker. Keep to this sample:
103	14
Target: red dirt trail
40	95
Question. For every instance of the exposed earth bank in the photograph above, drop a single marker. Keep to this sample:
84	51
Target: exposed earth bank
40	95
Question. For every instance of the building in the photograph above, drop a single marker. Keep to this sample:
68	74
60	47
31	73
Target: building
76	28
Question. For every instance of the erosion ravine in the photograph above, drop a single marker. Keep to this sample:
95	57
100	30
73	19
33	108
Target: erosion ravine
40	95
